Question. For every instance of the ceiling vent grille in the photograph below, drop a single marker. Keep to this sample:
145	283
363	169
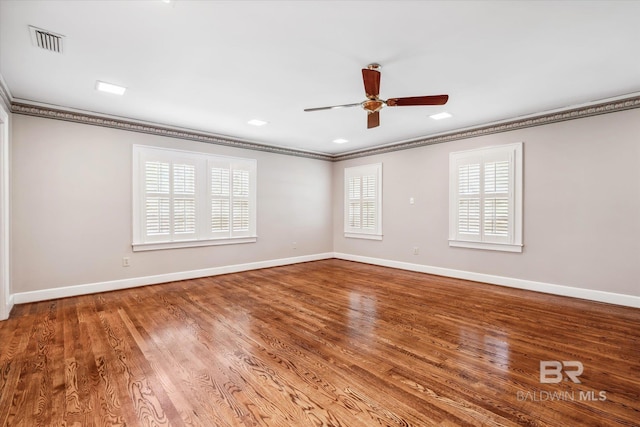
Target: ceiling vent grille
46	39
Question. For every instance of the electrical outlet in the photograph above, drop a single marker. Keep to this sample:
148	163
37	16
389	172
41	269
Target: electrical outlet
126	261
416	250
294	245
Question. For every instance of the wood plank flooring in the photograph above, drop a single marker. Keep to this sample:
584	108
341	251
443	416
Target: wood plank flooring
327	343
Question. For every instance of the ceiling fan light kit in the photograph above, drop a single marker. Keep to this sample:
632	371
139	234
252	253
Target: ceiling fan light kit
373	104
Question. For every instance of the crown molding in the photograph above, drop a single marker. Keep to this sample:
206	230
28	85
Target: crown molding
595	109
588	110
31	109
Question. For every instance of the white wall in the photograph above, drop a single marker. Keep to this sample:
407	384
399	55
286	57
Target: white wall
71	207
581	206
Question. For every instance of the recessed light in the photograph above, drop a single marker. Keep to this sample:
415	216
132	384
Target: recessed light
110	88
440	116
340	140
256	122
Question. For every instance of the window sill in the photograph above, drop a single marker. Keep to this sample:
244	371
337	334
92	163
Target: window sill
363	236
504	247
154	246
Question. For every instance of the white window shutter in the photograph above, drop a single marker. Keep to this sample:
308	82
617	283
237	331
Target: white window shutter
369	202
496	177
469	179
220	215
220	181
158	216
486	198
363	202
354	202
240	206
240	183
157	199
184	216
186	199
156	176
220	200
240	215
354	218
468	218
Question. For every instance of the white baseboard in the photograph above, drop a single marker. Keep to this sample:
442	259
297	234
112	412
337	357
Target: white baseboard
549	288
6	310
113	285
69	291
10	304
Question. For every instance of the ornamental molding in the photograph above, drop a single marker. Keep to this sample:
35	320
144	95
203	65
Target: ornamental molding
155	129
26	108
507	126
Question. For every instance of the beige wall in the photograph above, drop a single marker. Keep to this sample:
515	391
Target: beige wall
581	206
71	207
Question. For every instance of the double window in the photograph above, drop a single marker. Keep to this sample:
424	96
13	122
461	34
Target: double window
363	202
485	203
183	199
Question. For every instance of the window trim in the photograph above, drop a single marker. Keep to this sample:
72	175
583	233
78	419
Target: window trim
514	242
202	236
152	246
355	233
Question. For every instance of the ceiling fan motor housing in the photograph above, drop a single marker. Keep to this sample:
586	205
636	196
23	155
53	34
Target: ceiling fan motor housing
373	105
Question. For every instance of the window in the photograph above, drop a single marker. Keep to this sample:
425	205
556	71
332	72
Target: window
485	202
183	199
363	202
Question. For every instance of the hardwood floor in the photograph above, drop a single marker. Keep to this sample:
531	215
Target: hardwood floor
327	343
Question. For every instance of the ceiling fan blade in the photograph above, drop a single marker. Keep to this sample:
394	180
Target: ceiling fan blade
371	82
418	100
373	120
333	107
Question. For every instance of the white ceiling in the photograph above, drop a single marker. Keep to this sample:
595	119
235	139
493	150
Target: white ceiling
212	66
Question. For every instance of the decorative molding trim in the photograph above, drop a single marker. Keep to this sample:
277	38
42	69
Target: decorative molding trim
95	119
548	288
606	107
113	285
58	113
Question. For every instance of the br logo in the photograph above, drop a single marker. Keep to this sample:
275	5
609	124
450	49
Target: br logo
551	371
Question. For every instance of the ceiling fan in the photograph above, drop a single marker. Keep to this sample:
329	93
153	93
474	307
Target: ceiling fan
373	104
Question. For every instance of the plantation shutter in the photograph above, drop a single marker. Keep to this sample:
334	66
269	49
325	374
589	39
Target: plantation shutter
369	208
363	201
220	200
486	198
232	199
496	201
241	202
157	195
189	199
355	202
169	200
184	199
468	223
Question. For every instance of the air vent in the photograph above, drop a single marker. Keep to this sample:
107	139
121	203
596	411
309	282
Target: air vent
46	39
